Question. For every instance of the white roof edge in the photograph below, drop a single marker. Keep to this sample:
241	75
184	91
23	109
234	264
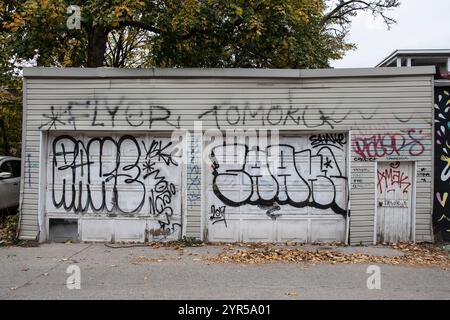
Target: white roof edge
388	58
442	83
221	73
412	52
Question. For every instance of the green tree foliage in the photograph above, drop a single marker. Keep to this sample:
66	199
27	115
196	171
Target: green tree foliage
10	98
169	33
187	33
10	120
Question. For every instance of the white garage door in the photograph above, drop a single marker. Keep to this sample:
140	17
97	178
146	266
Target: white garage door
295	190
120	187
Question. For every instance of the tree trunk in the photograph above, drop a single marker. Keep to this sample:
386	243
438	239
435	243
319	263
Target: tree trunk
97	39
5	140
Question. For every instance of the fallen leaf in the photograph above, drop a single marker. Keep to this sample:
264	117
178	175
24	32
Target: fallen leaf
413	254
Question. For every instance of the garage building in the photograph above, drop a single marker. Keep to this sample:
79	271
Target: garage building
322	155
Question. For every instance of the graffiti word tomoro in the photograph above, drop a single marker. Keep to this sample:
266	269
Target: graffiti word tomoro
273	115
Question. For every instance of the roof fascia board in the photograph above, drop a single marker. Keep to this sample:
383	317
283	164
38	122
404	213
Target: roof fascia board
223	73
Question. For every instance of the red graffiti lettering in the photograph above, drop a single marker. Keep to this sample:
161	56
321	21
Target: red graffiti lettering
390	179
385	145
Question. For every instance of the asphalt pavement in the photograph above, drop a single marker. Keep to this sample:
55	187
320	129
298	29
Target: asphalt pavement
166	273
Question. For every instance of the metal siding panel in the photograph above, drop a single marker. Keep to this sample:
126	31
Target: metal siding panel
28	224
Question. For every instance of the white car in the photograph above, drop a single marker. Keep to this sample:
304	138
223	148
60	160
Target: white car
9	182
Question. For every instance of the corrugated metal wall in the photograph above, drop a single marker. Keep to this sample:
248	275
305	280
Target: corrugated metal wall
389	119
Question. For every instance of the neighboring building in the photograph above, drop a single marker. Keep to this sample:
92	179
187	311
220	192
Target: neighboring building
441	60
353	161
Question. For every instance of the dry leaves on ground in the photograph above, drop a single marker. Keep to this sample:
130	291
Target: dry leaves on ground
414	255
7	234
177	245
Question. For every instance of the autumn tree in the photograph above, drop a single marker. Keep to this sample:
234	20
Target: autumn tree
187	33
169	33
10	120
10	97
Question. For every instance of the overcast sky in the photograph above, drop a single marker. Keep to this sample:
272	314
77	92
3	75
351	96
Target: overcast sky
421	24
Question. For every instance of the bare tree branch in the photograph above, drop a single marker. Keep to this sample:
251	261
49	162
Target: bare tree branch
341	11
140	25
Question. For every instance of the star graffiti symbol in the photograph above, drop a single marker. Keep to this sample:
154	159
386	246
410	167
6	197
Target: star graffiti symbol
149	167
53	119
328	164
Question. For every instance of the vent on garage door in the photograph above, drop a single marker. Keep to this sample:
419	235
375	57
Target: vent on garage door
63	230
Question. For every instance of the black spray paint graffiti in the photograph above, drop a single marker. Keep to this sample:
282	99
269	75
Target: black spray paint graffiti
270	211
218	215
337	140
75	157
274	115
52	119
102	113
303	178
163	192
281	115
88	113
441	212
105	175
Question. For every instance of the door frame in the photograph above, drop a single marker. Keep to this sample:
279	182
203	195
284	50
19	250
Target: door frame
413	199
43	221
